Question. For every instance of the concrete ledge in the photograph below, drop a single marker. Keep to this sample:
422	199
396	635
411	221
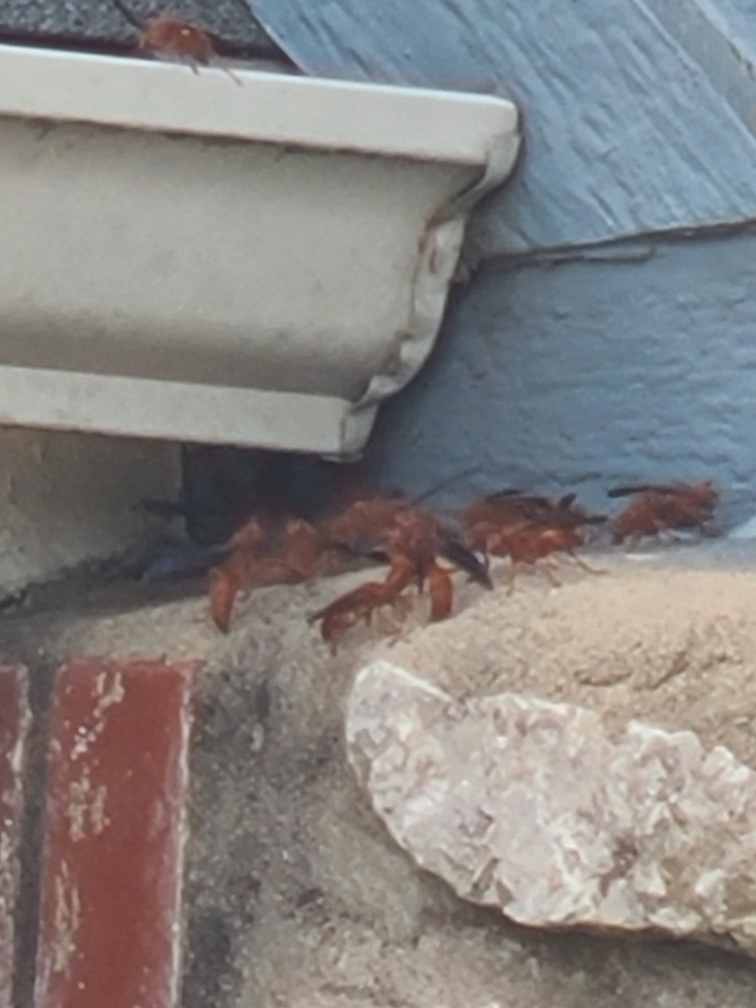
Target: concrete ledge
296	892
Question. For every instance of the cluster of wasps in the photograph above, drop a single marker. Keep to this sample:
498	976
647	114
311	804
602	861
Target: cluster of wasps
421	549
526	528
417	545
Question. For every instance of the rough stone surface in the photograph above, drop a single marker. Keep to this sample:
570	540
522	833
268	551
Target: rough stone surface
666	636
535	808
296	894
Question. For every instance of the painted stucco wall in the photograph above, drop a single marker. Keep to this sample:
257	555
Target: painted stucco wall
618	360
587	372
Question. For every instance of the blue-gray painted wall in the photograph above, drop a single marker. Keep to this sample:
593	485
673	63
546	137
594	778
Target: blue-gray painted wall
631	361
587	373
638	114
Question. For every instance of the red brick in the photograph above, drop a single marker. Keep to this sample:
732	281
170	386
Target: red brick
109	934
14	723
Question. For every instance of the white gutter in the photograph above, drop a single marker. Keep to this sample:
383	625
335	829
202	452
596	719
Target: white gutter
255	259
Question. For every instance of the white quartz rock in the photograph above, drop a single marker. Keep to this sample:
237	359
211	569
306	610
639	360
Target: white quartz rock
535	808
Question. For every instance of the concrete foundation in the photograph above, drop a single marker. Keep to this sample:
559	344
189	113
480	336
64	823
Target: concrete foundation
67	499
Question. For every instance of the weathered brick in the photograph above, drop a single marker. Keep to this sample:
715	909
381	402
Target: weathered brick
109	934
14	722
